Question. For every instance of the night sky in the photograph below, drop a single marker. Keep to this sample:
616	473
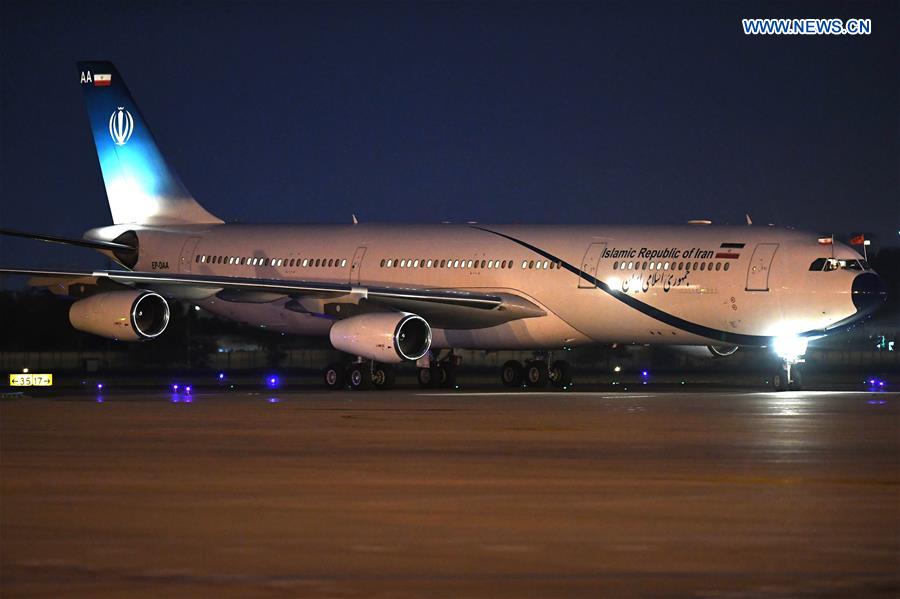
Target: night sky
495	112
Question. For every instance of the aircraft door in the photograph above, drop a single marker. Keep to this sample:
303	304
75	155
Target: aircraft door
760	265
187	254
589	265
356	265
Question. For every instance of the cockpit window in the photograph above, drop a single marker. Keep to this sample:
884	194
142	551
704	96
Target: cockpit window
829	264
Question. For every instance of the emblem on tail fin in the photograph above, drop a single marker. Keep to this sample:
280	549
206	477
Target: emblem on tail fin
121	126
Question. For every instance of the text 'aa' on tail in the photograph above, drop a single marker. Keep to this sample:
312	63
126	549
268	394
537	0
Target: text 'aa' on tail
141	186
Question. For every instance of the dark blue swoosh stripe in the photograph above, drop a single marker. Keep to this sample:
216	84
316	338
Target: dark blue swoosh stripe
656	313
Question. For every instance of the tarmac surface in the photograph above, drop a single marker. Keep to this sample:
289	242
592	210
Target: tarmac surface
451	494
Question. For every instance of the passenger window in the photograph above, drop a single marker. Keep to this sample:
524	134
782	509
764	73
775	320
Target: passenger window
616	265
718	266
703	266
727	264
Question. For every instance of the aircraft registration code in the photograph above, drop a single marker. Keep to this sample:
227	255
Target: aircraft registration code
30	380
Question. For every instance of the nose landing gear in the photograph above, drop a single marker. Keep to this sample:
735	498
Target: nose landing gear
791	349
787	378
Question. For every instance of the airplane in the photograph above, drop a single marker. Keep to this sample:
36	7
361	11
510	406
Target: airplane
386	294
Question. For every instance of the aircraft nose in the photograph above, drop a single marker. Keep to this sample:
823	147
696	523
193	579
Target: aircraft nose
868	292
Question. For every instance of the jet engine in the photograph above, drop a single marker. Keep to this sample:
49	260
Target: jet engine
123	315
388	337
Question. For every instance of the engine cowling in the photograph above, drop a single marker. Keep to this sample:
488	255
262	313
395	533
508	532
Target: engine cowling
722	351
123	315
388	337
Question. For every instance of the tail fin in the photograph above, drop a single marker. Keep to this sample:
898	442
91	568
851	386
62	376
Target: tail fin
141	186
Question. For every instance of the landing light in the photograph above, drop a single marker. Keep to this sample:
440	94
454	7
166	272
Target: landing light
790	347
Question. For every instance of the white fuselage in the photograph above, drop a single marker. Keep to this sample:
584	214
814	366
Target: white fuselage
597	284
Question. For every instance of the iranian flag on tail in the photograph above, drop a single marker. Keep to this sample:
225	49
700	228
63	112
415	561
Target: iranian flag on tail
102	80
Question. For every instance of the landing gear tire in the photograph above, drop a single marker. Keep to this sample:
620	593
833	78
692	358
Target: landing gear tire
560	374
780	380
334	375
359	376
537	375
383	376
786	379
511	374
426	377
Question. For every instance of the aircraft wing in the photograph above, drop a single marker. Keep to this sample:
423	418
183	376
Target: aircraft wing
447	308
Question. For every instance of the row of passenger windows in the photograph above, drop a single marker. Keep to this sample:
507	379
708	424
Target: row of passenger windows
254	261
687	266
490	264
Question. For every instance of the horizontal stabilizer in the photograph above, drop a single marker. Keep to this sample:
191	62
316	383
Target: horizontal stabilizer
111	246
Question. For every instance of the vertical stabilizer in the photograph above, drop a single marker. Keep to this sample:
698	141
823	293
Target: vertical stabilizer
141	186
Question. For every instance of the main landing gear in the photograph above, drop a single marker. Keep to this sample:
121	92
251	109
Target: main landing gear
360	375
434	373
537	374
787	378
